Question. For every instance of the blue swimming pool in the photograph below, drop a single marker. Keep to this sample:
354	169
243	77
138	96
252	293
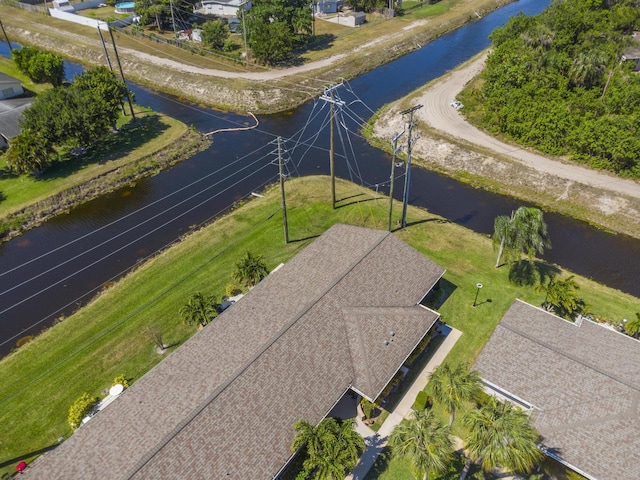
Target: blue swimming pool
125	7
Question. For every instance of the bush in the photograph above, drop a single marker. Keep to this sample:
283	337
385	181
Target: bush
80	409
421	401
233	289
122	380
368	408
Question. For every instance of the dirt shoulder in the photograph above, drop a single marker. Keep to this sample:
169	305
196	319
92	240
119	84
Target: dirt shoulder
257	89
451	145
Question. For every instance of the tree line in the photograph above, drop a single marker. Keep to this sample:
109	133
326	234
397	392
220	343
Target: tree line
67	116
557	82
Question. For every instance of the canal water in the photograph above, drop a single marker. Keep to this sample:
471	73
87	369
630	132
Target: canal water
53	269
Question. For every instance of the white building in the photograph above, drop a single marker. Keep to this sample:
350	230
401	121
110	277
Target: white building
223	8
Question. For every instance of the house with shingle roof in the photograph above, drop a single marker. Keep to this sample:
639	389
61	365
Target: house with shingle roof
9	86
344	313
11	111
581	382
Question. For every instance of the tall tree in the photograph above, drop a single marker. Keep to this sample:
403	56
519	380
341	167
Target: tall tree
332	448
105	88
39	66
200	309
424	441
276	27
214	33
250	269
500	436
525	231
450	387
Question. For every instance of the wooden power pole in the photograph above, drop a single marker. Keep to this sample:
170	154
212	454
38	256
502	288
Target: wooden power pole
133	115
330	98
5	36
407	178
284	202
394	145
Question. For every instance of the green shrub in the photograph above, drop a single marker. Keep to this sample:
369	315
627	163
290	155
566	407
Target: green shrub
421	401
79	409
368	408
233	289
122	380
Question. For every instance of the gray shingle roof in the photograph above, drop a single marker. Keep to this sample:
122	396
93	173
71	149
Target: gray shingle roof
584	382
6	79
224	404
11	114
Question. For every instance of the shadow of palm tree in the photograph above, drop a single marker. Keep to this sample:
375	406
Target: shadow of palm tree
525	272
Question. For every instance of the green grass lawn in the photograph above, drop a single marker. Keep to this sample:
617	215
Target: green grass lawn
86	351
150	133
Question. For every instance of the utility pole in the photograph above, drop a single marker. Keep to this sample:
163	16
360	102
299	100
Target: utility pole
133	115
106	54
396	149
332	165
284	202
5	36
244	35
173	21
407	178
329	97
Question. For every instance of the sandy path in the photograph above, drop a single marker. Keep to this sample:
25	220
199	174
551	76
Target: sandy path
440	115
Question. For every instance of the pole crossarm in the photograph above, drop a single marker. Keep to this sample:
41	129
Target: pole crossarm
411	110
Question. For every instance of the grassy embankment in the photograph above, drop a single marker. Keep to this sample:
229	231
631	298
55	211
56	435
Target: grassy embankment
141	148
420	24
87	350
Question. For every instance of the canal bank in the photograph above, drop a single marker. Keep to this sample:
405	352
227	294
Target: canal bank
447	143
230	86
60	265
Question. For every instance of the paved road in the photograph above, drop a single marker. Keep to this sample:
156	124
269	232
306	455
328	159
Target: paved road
440	115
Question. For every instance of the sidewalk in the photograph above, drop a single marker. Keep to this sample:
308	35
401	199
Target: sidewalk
375	442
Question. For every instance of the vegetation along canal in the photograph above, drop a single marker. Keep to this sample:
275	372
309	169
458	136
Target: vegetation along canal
49	271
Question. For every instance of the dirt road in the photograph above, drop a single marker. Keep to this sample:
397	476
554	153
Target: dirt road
451	145
440	115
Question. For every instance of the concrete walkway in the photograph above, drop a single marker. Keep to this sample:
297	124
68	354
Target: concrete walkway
375	442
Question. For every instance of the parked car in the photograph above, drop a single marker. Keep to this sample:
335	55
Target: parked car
456	104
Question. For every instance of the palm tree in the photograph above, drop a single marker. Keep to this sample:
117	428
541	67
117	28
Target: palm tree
200	309
588	68
30	152
450	387
424	441
500	436
250	270
561	296
332	447
523	232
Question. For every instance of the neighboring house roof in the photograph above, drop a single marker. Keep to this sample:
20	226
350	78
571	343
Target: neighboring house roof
11	114
224	404
583	381
8	79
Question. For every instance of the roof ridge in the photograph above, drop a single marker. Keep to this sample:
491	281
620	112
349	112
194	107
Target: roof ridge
240	370
564	353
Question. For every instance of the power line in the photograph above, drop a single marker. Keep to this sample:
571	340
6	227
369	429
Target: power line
126	245
24	383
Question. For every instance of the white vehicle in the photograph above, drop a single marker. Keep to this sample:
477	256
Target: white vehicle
456	104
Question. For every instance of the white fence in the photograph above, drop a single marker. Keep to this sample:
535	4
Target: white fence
72	17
